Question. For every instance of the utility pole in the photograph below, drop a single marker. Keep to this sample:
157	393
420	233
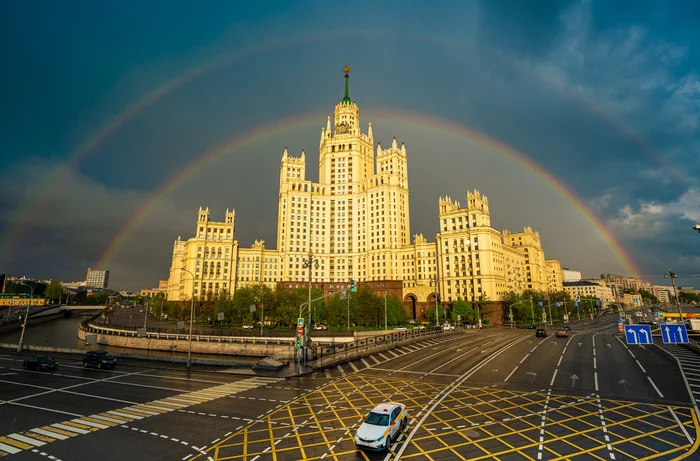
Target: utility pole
672	275
309	263
20	346
385	323
145	317
348	308
434	281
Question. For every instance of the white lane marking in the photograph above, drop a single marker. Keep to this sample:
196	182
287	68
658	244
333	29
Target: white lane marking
640	366
340	369
9	448
560	359
53	435
511	374
445	392
678	421
365	362
43	409
25	439
327	373
554	377
90	423
70	428
655	388
352	365
595	377
526	356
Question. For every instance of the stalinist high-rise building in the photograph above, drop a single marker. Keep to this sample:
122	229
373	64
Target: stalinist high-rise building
355	224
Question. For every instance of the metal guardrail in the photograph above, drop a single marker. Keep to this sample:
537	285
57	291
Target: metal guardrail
396	339
320	348
237	332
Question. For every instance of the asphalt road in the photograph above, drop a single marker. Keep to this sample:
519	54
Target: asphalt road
491	394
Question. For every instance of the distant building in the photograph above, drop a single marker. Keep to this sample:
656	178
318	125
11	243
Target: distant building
569	275
629	284
588	289
151	292
665	294
97	278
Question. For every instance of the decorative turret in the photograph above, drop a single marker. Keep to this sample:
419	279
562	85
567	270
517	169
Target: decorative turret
369	131
203	215
477	202
230	216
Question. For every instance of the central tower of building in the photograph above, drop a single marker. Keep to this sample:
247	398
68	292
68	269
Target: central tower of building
356	218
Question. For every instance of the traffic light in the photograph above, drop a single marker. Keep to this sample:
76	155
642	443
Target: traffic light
352	286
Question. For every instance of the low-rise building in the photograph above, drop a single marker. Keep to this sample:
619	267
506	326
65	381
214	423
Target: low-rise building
588	289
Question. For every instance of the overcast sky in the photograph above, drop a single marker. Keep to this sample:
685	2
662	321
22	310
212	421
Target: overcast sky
604	96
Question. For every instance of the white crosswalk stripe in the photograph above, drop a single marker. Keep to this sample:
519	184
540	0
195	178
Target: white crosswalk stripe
40	436
690	364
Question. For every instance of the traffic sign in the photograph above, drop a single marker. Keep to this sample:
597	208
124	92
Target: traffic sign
635	300
544	317
661	316
628	316
674	333
638	334
576	304
540	303
619	321
597	303
300	322
300	331
558	304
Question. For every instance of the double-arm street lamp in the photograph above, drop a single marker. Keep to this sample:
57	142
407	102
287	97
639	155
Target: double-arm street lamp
672	275
189	346
435	282
309	263
20	346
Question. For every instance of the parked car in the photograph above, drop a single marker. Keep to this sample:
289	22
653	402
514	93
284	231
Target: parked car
400	328
541	333
99	359
40	364
562	333
447	327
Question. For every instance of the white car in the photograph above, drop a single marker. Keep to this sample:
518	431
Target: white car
447	327
382	426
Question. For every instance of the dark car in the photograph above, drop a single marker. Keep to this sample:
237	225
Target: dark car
99	359
541	333
40	364
531	327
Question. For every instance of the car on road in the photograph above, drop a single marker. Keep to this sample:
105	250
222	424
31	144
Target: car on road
447	327
99	359
382	426
400	328
541	333
419	327
40	364
531	327
562	333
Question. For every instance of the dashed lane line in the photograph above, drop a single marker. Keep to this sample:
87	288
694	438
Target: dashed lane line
81	425
454	385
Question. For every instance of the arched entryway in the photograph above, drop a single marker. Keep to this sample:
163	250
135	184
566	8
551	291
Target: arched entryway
410	301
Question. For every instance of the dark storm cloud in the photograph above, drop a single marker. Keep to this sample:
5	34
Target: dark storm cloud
566	83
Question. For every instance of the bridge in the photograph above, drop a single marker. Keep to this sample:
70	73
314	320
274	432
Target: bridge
82	308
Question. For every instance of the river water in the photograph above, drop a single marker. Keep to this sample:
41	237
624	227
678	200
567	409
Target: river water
63	332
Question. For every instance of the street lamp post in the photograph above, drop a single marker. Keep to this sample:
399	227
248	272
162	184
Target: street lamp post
385	323
478	312
672	275
189	345
20	346
532	310
145	317
309	263
551	320
434	282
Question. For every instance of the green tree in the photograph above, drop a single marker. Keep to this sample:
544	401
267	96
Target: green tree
54	291
650	296
687	297
464	310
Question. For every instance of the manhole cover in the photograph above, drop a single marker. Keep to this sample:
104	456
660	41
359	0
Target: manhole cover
471	434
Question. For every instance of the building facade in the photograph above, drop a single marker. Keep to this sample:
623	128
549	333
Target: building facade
97	278
569	275
589	289
354	224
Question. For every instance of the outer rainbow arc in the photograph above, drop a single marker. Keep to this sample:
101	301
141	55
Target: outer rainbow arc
136	107
473	135
20	215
